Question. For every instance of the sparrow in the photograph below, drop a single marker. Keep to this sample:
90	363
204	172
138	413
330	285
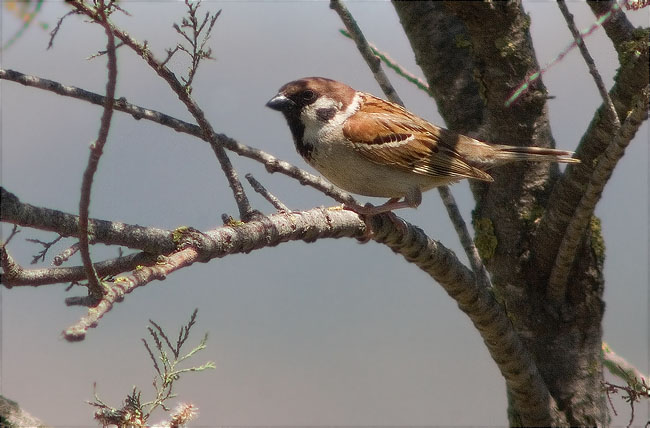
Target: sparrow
373	147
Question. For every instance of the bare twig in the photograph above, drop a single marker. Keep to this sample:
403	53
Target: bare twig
96	150
568	17
102	53
395	66
635	392
466	241
116	290
56	29
64	255
15	275
245	209
197	40
366	52
259	188
14	231
587	203
46	246
579	37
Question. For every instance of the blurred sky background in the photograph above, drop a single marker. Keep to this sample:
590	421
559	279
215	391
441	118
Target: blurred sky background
331	333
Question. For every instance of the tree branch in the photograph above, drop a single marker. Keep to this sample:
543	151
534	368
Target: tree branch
533	400
374	63
626	95
95	289
607	102
259	188
271	163
148	239
602	172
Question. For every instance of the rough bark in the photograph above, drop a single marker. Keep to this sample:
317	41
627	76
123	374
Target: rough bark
472	52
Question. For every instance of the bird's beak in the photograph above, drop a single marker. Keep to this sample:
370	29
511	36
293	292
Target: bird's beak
280	103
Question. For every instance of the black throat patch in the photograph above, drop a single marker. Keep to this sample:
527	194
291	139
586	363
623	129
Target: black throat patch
298	132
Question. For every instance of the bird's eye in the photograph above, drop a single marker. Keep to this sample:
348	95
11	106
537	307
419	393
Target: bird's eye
308	95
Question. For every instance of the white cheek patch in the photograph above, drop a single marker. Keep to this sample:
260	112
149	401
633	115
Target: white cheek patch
309	113
317	129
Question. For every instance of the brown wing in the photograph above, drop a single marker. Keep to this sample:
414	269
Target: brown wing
415	144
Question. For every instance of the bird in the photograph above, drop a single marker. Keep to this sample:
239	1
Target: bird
373	147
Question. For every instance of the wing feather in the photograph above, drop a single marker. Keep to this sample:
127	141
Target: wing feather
415	144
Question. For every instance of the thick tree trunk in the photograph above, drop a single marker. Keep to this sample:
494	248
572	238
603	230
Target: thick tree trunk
474	55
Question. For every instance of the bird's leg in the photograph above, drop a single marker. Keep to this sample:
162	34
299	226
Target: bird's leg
370	210
411	200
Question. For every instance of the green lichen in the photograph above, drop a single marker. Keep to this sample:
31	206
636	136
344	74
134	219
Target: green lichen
630	51
505	46
482	88
484	239
235	223
593	368
179	233
6	423
597	241
462	42
526	24
531	217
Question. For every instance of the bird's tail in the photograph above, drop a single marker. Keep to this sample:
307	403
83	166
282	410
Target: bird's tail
534	154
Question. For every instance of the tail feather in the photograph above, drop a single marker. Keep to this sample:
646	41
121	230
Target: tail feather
535	154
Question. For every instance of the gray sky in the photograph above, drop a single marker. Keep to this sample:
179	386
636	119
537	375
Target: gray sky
332	333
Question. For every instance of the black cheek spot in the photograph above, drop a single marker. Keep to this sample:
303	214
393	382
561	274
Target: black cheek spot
325	114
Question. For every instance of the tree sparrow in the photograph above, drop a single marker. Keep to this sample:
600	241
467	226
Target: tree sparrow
374	147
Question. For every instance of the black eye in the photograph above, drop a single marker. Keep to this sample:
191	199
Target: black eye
308	95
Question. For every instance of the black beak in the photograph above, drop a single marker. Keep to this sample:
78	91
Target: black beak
280	103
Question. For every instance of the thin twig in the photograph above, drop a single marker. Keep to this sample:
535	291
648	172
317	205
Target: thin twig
245	209
94	284
579	40
46	247
448	199
259	188
56	29
466	241
65	255
14	231
366	52
102	53
395	66
17	276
